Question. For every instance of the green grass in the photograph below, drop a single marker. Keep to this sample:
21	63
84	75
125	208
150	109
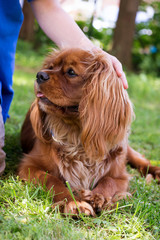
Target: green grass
145	135
25	210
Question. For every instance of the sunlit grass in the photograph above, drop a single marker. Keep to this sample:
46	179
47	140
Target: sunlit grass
26	212
145	134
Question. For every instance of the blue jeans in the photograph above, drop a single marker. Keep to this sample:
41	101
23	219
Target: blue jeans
11	18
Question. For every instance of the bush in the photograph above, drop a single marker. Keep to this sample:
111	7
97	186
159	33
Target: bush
146	47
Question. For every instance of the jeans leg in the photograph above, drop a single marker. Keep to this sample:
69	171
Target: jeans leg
2	153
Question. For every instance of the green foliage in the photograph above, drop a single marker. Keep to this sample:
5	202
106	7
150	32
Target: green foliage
103	35
146	48
146	42
41	39
26	57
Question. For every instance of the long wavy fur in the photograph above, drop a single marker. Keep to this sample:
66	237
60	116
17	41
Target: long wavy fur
105	109
38	121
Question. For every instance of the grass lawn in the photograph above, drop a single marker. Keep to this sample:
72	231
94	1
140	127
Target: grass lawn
25	210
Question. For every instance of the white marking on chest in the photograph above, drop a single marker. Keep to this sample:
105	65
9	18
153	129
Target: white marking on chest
81	172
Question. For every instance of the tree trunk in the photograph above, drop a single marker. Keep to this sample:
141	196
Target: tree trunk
124	32
27	29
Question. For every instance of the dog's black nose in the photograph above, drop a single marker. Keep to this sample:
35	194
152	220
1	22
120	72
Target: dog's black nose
42	77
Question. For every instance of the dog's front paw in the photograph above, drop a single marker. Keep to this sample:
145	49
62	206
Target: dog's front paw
74	209
96	200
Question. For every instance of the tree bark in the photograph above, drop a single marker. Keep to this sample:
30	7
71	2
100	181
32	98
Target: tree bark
124	32
27	29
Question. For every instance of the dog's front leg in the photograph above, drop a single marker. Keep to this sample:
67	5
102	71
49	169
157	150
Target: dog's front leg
106	193
61	194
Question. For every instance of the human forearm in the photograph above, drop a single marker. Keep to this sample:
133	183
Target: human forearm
58	25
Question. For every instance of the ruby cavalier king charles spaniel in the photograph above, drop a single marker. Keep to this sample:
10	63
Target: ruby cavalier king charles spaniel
77	130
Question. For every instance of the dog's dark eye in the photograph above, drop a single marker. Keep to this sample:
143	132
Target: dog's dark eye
71	73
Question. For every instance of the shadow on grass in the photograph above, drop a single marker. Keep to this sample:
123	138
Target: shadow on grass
13	154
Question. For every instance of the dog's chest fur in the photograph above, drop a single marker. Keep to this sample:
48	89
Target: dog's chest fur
74	164
80	171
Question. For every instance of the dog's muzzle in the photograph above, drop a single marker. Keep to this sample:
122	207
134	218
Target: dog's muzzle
42	77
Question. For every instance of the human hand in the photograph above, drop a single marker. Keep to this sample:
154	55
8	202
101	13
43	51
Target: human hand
119	70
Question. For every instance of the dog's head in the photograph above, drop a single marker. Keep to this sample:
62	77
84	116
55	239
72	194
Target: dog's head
83	85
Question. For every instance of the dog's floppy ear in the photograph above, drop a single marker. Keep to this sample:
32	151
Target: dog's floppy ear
105	109
37	118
